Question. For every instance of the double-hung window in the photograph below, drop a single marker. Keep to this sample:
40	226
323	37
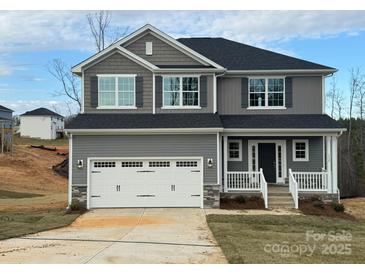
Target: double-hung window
234	150
300	150
180	91
117	91
266	92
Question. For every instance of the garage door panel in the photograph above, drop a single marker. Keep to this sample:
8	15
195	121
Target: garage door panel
146	183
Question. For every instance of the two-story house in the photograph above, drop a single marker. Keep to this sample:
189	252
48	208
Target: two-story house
6	117
180	122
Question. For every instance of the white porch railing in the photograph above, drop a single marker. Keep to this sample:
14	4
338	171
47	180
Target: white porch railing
293	188
264	188
247	180
311	181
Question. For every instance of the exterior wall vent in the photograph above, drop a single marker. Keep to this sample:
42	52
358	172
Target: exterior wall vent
148	48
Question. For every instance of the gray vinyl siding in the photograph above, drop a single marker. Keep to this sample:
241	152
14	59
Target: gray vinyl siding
307	96
162	53
207	109
314	164
144	146
118	64
6	115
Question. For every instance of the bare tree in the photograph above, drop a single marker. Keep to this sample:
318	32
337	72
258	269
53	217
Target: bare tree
355	84
102	32
69	82
332	94
98	23
339	101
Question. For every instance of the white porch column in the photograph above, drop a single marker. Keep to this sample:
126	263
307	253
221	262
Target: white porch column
334	164
225	156
219	161
329	164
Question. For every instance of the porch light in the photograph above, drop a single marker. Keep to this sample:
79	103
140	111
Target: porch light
80	164
210	162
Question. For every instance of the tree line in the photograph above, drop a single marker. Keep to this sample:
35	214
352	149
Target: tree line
351	149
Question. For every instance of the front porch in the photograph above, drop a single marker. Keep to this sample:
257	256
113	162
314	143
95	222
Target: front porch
302	164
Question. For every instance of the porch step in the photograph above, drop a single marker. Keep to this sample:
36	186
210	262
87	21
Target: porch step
279	197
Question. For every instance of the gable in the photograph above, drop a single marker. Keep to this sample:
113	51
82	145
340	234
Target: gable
162	53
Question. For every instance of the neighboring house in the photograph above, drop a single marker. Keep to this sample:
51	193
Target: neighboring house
6	117
41	123
177	123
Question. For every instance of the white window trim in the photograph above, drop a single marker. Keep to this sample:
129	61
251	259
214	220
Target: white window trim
116	76
239	141
306	159
266	106
180	92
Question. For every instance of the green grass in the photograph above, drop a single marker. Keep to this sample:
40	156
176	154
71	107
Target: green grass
244	239
4	194
33	141
20	224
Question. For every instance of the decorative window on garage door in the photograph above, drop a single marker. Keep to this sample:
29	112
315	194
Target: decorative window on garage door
132	164
186	164
104	164
159	164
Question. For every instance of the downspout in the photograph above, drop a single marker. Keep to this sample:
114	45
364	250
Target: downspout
216	91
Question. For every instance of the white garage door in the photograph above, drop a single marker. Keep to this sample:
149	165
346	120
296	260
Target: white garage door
145	183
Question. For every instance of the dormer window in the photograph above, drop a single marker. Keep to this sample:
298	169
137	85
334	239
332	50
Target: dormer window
266	92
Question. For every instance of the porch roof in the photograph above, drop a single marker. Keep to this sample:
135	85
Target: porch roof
280	121
144	121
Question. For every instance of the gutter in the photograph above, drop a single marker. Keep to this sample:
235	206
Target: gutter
145	131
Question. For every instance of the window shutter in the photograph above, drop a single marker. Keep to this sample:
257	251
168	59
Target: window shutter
94	91
203	91
158	91
139	91
244	92
289	92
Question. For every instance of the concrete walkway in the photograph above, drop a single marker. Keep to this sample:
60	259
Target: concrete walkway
156	235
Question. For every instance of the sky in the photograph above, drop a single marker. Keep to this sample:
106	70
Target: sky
30	40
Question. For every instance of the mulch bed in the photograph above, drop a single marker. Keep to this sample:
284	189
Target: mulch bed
249	203
308	207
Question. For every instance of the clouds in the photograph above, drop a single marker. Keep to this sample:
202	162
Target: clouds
60	30
21	106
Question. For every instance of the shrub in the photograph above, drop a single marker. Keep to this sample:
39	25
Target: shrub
338	207
75	205
240	199
318	204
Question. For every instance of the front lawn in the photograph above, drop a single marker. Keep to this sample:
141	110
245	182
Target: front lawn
283	239
20	224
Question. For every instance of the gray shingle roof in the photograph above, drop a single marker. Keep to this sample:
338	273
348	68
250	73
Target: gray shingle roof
140	121
184	120
237	56
41	112
5	108
282	121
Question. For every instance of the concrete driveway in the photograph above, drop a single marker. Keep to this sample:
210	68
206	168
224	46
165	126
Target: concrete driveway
135	235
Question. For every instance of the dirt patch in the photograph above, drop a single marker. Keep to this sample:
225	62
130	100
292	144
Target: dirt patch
355	207
310	207
29	170
118	221
241	203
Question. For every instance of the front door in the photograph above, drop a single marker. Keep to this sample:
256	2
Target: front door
267	161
